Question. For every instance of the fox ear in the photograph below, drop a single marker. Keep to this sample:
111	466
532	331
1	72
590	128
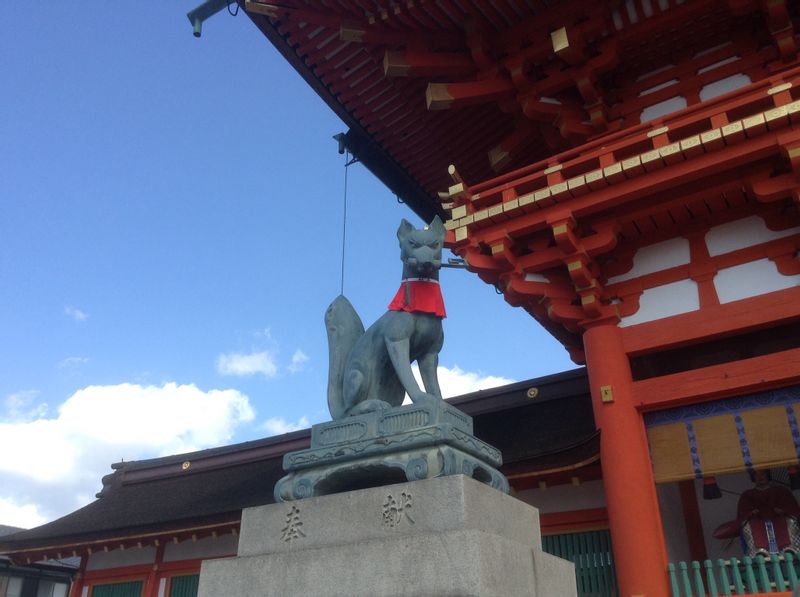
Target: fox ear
404	230
437	226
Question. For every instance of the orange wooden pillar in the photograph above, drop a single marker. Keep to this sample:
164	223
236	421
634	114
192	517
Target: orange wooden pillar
152	581
633	514
76	589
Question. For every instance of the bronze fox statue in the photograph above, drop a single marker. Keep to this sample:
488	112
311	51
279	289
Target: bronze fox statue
371	370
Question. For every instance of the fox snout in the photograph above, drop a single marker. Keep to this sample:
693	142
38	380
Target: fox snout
424	265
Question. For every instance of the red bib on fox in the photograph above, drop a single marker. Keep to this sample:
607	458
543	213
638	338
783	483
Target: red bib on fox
416	294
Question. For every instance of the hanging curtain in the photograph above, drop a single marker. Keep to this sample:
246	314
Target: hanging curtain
725	436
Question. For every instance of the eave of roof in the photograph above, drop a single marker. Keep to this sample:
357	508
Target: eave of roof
357	140
583	452
8	530
340	50
50	569
542	389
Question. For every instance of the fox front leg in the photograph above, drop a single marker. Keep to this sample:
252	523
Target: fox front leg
399	355
428	366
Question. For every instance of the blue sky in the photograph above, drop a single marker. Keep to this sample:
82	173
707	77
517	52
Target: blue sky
170	216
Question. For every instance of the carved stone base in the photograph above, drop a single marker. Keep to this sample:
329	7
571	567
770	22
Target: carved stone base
407	443
449	536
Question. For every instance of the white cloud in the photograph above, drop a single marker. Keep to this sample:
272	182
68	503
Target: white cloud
20	406
299	359
76	313
73	362
20	515
240	364
279	425
14	402
63	456
455	381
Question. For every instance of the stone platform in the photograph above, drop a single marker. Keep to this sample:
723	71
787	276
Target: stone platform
412	442
445	537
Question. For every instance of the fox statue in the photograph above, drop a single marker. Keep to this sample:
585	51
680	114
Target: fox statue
371	370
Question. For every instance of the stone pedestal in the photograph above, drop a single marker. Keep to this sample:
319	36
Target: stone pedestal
404	443
448	536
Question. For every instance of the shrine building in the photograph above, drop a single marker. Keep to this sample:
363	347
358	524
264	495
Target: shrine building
628	173
155	521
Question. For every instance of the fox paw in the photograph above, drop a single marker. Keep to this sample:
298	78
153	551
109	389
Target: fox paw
369	406
424	397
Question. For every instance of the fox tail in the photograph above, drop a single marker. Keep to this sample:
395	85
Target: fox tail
344	329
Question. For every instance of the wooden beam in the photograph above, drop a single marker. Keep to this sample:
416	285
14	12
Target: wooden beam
572	521
504	152
718	381
715	322
693	521
442	96
410	63
568	45
279	12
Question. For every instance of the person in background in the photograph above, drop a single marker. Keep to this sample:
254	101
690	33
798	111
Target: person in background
768	517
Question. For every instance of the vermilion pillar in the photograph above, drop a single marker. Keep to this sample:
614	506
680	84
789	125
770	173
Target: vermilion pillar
77	581
151	582
633	514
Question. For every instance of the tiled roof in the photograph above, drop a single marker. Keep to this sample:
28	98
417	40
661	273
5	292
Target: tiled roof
525	420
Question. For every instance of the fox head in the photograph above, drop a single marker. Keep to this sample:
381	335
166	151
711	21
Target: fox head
421	250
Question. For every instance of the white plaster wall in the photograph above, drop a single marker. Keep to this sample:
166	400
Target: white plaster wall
724	86
617	18
208	547
713	49
658	87
647	7
117	558
751	279
565	498
656	257
669	503
711	67
743	233
660	69
669	106
536	278
664	301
